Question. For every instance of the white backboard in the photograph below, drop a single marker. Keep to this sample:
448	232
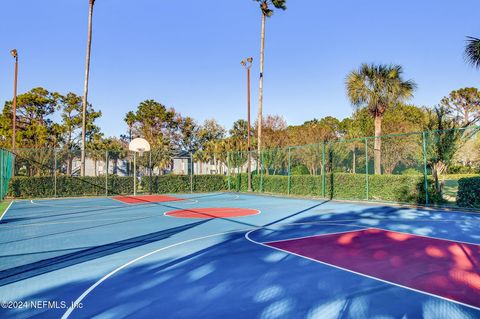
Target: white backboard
139	145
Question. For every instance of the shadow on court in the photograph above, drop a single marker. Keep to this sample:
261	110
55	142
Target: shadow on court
62	261
239	279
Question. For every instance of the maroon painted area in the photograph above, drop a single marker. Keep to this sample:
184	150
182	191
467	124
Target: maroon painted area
441	267
147	199
212	212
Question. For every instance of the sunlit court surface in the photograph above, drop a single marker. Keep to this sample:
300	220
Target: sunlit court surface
229	255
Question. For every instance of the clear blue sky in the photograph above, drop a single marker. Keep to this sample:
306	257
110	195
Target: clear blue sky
186	54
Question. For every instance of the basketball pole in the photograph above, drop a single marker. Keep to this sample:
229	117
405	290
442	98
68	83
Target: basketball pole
134	173
137	145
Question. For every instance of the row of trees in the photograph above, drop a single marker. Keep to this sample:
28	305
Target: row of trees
48	120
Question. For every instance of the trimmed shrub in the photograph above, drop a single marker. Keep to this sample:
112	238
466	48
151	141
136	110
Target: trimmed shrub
469	192
44	186
306	185
394	188
165	184
300	170
345	186
411	171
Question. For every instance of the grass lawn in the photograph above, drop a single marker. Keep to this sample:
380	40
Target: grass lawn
3	207
450	187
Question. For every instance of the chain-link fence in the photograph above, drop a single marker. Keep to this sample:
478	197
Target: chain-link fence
421	168
6	161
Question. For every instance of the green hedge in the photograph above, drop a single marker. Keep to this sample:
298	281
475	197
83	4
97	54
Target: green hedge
181	184
44	186
395	188
469	192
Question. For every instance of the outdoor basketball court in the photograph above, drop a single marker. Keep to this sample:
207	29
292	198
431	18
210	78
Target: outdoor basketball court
228	255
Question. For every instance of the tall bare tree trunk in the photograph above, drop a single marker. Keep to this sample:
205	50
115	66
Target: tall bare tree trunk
85	87
377	149
69	165
260	98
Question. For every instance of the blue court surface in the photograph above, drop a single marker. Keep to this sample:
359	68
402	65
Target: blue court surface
103	258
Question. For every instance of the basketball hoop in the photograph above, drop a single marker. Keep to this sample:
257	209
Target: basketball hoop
137	145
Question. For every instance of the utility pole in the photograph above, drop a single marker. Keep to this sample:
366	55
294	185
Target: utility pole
14	53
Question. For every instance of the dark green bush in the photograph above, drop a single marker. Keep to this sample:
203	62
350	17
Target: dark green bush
181	184
306	185
345	186
44	186
394	188
460	169
468	194
299	170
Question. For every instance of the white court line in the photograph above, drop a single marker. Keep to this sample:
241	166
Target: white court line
142	204
388	230
6	210
74	206
190	201
193	211
92	287
318	235
408	220
96	284
357	273
149	204
430	237
140	217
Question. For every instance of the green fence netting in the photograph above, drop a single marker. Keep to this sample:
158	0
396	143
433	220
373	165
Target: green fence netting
6	164
416	168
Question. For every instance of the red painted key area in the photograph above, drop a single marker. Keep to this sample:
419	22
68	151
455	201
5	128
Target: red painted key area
441	267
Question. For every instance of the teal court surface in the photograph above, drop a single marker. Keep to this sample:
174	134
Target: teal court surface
228	255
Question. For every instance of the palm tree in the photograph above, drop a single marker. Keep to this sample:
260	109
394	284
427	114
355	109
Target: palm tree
378	87
85	87
266	12
130	119
472	51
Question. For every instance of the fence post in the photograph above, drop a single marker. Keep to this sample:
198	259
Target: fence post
191	172
55	172
289	171
2	168
366	169
150	171
261	171
425	175
106	173
239	172
323	169
228	172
